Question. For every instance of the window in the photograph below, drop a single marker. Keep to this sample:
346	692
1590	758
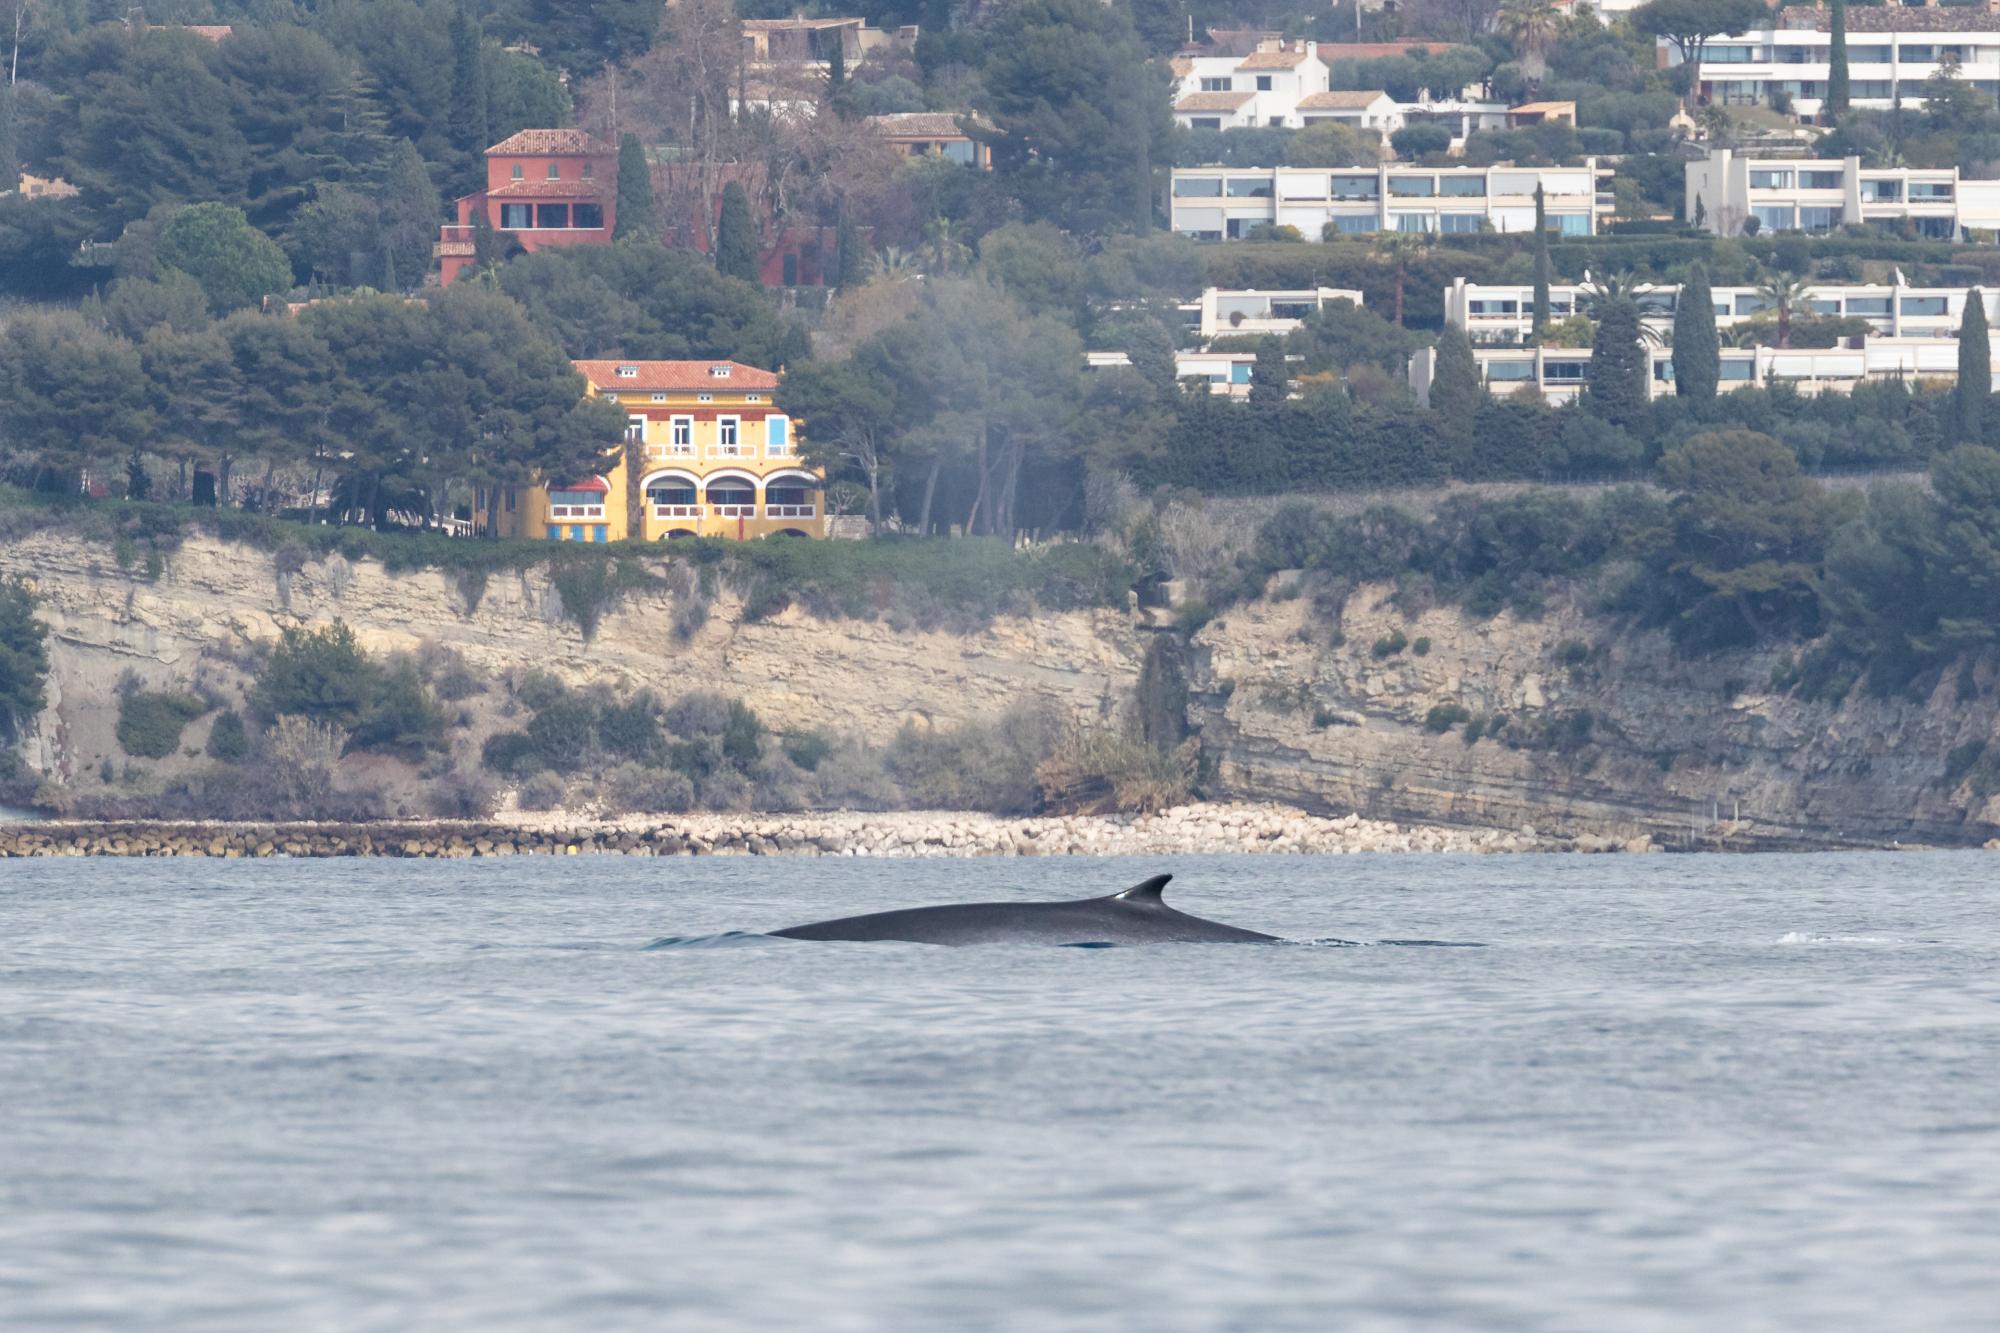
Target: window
1197	187
683	435
1867	305
1818	221
733	495
1249	187
1356	224
1750	304
512	499
1205	123
517	171
671	492
727	430
1773	217
659	398
1563	372
628	372
1936	229
1463	187
555	173
1728	55
1263	83
1215	85
1412	187
1460	224
1239	374
1291	309
1930	190
635	430
1494	307
1924	305
1414	222
1829	306
777	436
587	216
719	371
1571	224
553	216
1357	187
1881	191
753	397
1739	369
1867	55
1819	180
516	217
1510	372
1770	180
1910	55
704	398
589	170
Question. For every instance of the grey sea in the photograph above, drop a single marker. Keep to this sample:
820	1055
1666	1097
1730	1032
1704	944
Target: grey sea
1661	1093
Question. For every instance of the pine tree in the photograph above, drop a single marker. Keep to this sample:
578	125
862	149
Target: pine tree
10	162
1836	79
635	192
853	258
1975	373
1615	387
467	123
1270	379
1697	346
736	236
1455	391
1541	323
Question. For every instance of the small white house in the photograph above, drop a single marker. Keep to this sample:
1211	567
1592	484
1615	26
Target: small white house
1265	87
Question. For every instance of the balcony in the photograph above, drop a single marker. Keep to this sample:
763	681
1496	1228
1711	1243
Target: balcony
660	453
676	511
791	511
576	513
733	511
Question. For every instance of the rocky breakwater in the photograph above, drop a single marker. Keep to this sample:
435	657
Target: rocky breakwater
1180	831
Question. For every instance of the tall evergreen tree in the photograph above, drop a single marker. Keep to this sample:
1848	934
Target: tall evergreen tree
838	95
410	212
1615	386
635	192
1836	79
386	280
1975	373
1697	346
1270	379
10	160
1455	391
1541	321
736	236
853	258
467	124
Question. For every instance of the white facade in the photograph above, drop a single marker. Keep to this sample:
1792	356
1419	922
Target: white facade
1502	313
1558	373
1223	312
1225	373
1372	110
1890	52
1819	194
1262	88
1225	203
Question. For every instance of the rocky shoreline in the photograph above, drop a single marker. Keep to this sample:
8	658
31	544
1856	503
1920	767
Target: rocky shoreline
1184	830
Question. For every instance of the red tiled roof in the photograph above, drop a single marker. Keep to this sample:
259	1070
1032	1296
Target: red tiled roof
527	189
1272	60
918	125
587	484
685	375
545	142
1332	51
1811	18
1212	101
1340	101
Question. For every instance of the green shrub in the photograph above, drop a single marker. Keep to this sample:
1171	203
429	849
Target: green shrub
631	730
227	739
150	724
637	789
1389	644
1421	647
543	791
1444	717
318	674
507	752
807	749
1572	653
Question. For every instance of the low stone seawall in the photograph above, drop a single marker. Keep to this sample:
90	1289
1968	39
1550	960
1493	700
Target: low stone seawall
1181	831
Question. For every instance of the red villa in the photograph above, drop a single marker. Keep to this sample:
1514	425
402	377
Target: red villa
543	188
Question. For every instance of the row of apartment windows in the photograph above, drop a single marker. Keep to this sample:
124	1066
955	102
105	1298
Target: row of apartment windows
1753	92
1662	303
1367	224
1820	221
1908	54
729	430
1574	372
589	170
543	217
1872	191
1340	187
1226	85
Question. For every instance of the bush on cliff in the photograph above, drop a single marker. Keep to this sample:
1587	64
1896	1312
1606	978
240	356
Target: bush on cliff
150	724
325	677
24	660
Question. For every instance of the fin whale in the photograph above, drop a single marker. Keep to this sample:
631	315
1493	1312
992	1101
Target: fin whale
1138	915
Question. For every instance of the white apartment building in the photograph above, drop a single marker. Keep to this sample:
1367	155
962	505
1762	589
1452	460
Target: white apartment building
1265	87
1225	203
1890	52
1558	373
1498	314
1816	195
1223	312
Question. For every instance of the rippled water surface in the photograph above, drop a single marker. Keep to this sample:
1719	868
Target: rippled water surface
1669	1093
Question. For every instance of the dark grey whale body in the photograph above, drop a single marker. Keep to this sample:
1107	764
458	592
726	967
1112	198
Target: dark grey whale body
1135	916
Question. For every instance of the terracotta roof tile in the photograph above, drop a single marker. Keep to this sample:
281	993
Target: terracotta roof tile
1332	51
1212	101
919	124
1272	60
1811	18
551	142
685	375
1341	101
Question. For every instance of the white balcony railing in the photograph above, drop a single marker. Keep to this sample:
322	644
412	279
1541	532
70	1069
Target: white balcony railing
577	513
791	511
676	511
733	511
730	451
660	453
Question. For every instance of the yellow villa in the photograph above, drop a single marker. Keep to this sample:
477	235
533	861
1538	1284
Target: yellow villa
717	459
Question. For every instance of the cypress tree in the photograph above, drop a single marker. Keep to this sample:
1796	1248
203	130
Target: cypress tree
836	78
1836	79
1697	346
1975	373
1270	379
736	236
635	192
10	162
1455	391
853	259
1541	267
386	280
467	121
1615	386
486	252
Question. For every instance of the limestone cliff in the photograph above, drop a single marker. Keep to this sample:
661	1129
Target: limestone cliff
1607	734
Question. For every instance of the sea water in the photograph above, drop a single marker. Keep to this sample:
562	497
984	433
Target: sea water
1665	1093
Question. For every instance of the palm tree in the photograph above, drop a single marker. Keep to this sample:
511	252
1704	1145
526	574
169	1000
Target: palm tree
1531	25
1597	295
943	248
1784	296
1398	248
889	262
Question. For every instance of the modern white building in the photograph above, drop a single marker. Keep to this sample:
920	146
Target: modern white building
1558	373
1223	312
1225	373
1368	110
1890	52
1727	191
1264	87
1226	203
1499	314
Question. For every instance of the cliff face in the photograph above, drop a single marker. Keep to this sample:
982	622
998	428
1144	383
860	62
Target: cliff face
1627	742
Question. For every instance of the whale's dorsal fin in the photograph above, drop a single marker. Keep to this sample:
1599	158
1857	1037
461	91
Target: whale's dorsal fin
1145	891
